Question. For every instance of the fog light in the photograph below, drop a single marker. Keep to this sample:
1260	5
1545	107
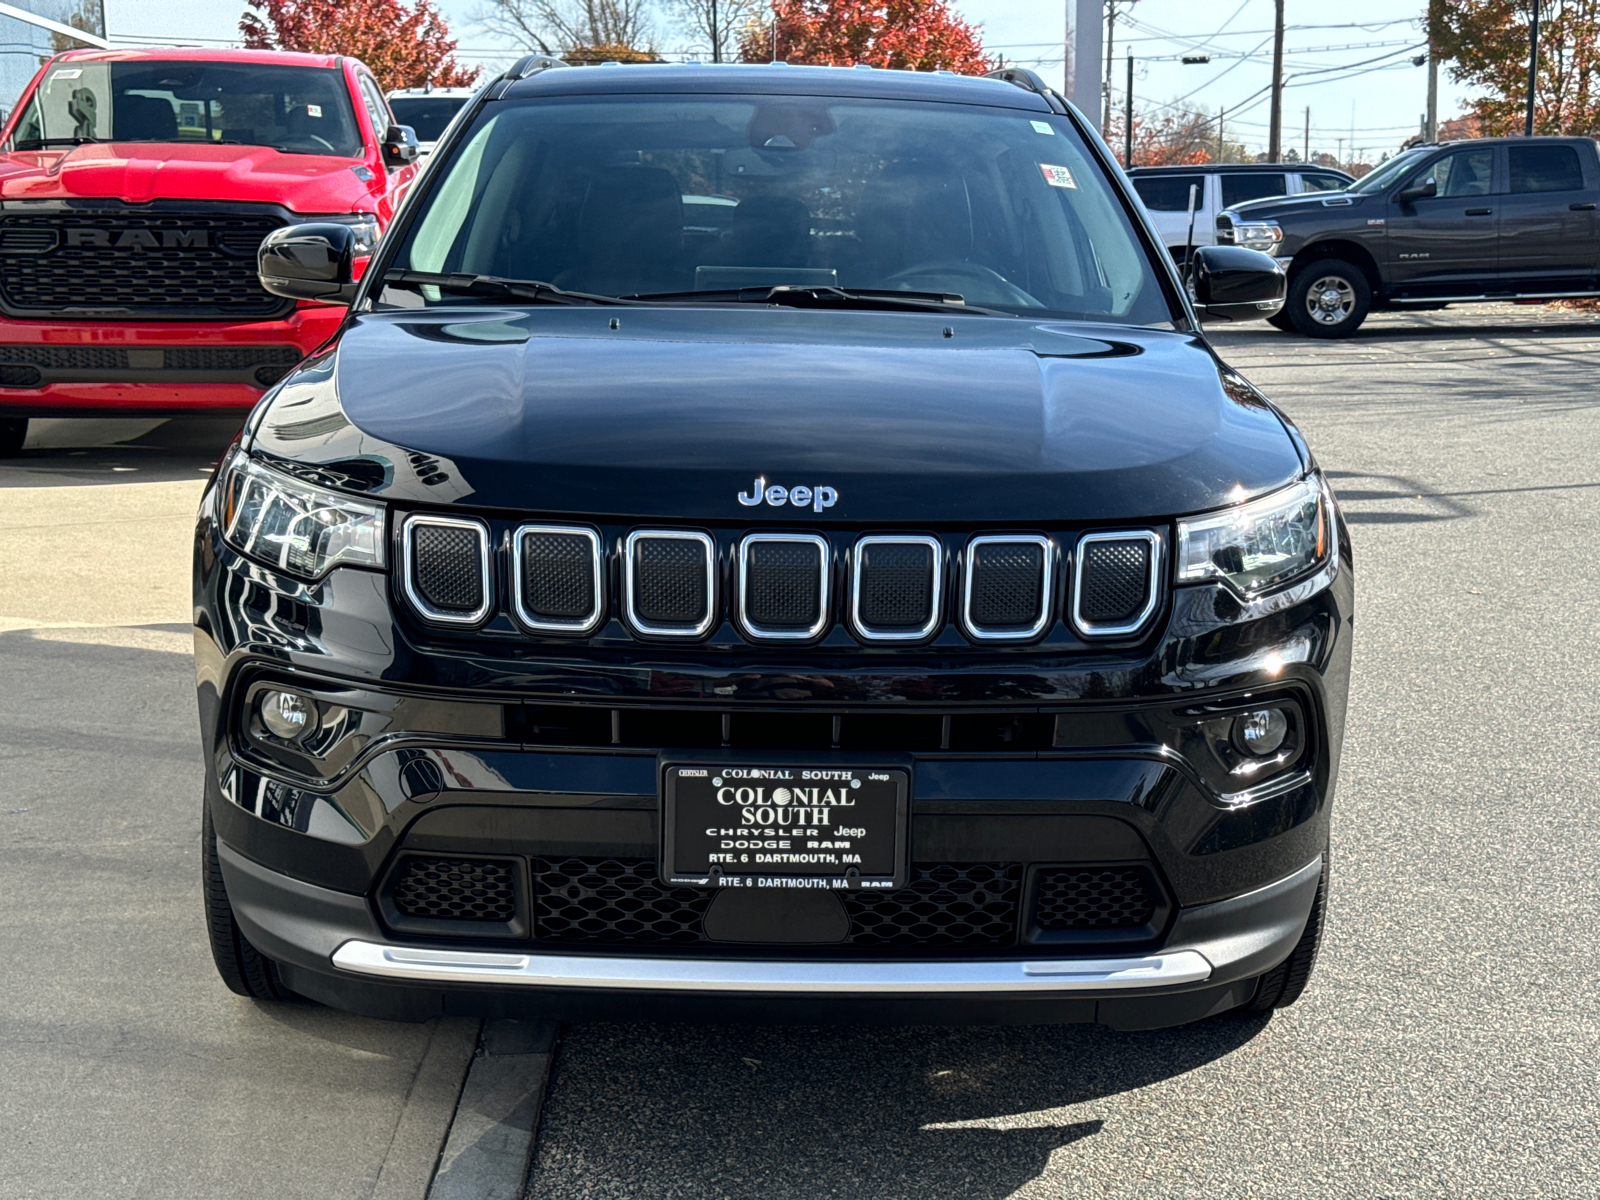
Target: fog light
1261	732
288	715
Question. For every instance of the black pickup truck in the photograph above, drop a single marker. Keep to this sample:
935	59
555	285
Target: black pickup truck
1491	219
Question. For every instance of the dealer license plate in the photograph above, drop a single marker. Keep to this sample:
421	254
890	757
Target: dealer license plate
769	825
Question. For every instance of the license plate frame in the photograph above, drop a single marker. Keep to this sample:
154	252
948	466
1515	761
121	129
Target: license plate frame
878	824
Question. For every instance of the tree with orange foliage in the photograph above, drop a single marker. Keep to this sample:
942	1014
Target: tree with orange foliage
405	47
1486	42
916	35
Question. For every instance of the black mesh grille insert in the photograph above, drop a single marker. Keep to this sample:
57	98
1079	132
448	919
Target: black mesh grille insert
456	889
1007	585
447	567
896	585
606	901
945	904
170	358
1115	580
1094	898
669	583
142	263
783	588
558	572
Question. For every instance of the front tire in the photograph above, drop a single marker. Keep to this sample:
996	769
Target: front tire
1283	985
1329	298
243	968
13	432
1280	320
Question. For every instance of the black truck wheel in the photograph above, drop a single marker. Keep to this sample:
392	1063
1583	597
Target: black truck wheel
242	967
1281	986
13	432
1280	320
1328	298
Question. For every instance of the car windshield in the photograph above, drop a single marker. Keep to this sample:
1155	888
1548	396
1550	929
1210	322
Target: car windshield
428	115
299	110
657	194
1380	178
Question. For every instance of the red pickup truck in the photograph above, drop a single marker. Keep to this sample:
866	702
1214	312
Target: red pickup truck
135	188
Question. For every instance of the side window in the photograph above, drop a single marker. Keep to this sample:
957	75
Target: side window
1256	185
377	110
1169	193
1545	169
1322	183
1467	173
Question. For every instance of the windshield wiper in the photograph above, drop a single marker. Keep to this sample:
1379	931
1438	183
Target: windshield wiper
827	296
41	143
493	285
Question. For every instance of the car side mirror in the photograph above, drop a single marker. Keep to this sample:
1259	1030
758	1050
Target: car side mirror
309	262
1421	192
1233	283
400	146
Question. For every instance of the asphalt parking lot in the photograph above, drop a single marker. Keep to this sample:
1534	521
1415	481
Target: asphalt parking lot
1448	1045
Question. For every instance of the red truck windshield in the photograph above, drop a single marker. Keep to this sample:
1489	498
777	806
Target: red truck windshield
298	110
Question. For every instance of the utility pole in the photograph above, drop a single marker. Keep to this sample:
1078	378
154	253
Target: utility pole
1127	134
1221	113
1430	132
1306	153
1085	24
1275	137
716	34
1111	37
1533	63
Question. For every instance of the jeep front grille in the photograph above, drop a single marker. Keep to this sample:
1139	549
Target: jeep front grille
897	587
1007	590
447	574
558	577
783	585
1115	587
671	582
96	264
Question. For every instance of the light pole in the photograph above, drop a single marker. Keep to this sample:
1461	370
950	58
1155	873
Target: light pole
1127	132
1533	63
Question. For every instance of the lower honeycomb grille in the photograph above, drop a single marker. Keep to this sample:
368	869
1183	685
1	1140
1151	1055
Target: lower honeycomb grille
944	904
456	889
1094	898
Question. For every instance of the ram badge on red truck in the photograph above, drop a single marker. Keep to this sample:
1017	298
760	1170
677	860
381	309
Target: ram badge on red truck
135	189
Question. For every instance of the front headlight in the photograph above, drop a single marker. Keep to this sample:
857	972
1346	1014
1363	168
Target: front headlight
1261	545
296	526
1257	235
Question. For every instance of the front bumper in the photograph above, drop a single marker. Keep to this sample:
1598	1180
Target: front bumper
334	950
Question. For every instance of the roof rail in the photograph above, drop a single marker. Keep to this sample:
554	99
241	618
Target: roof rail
531	64
1022	77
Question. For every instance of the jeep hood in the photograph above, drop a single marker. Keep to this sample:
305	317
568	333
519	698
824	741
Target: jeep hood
676	411
140	172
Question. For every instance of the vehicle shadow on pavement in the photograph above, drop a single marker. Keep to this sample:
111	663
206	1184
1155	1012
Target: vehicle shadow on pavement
773	1112
78	452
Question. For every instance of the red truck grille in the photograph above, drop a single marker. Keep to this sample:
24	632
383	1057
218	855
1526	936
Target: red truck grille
94	264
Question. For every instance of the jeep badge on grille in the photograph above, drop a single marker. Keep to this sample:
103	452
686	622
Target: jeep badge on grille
776	495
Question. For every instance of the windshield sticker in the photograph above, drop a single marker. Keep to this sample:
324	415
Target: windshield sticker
313	110
72	74
1042	127
1057	176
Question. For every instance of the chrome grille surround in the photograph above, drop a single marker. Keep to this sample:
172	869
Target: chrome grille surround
630	556
590	621
936	604
408	568
1046	589
824	587
1152	592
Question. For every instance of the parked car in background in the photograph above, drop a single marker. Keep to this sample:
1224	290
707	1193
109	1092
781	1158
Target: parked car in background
427	110
1490	219
1165	192
135	189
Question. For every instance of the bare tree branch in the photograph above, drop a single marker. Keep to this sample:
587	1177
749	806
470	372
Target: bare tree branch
555	26
715	27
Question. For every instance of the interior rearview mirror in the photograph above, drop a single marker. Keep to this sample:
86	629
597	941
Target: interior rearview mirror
1421	191
309	262
1232	283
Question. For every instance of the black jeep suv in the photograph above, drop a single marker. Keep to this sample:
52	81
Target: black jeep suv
770	541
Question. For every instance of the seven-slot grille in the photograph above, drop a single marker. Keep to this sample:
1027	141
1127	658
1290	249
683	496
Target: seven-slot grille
447	568
1007	590
137	264
557	573
670	582
897	588
783	585
1114	589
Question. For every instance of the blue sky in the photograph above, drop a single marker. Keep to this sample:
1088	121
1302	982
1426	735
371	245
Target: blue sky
1378	107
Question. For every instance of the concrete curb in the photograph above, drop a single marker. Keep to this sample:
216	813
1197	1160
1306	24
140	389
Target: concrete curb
429	1108
491	1139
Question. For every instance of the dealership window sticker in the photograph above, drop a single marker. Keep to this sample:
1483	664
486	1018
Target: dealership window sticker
1057	176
